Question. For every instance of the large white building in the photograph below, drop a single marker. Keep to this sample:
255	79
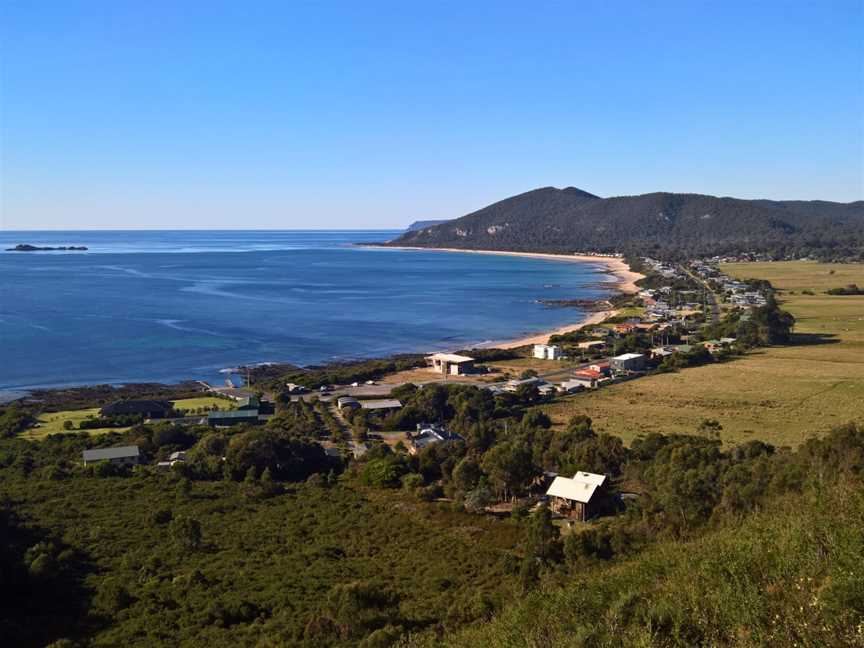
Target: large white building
450	364
547	351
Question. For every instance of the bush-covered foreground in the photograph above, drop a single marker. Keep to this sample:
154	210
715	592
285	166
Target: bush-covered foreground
152	560
792	576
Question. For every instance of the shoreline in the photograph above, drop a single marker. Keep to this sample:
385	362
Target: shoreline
625	282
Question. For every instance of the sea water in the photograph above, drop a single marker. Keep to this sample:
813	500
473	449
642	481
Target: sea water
169	306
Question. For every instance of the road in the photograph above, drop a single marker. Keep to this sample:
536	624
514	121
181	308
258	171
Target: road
709	295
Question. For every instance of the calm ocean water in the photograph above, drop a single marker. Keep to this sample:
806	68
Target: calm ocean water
167	306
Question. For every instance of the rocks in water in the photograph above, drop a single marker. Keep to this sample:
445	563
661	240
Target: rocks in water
24	247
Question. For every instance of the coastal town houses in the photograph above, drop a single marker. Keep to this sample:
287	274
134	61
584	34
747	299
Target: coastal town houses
120	456
575	498
450	364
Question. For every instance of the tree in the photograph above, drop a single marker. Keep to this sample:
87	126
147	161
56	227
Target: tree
186	532
542	537
510	468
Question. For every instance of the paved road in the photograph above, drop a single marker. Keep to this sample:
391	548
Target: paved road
712	298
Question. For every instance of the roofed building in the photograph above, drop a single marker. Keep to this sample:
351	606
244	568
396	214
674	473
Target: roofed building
144	408
121	455
628	362
547	352
381	404
450	364
574	497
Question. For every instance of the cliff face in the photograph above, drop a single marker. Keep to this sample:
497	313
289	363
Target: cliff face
566	220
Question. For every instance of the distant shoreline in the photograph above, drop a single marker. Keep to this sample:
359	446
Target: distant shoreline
625	282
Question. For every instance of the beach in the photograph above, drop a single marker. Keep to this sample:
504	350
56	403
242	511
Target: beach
625	282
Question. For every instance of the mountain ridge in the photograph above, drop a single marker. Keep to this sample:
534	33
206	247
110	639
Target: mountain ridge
665	224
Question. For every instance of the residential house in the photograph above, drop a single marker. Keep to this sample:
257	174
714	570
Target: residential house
628	362
547	352
603	367
236	417
148	409
592	345
347	401
382	404
576	497
120	455
428	435
450	364
513	385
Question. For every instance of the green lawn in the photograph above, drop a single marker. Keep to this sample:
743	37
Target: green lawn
204	401
52	423
780	395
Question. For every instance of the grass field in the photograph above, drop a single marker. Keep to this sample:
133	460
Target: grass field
52	423
780	395
204	401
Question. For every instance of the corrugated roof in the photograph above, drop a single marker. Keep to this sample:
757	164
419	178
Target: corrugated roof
383	403
579	489
238	414
120	452
450	357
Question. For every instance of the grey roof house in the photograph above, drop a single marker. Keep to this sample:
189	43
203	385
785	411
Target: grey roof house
125	455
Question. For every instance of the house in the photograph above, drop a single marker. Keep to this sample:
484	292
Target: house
714	346
294	388
575	385
347	401
513	385
624	328
547	390
547	352
592	345
121	455
382	404
235	417
603	367
628	362
428	435
576	497
587	378
662	352
173	458
450	364
147	409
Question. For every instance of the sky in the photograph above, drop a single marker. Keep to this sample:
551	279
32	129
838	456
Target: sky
164	114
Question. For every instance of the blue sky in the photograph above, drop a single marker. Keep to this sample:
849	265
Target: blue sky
373	114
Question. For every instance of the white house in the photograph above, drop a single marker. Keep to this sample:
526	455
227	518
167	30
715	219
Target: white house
573	497
547	351
628	362
450	364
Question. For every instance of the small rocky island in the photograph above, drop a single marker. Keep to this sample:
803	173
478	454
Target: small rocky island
23	247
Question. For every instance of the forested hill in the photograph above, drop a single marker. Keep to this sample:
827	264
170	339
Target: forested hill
662	224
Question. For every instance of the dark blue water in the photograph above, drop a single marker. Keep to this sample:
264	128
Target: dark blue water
167	306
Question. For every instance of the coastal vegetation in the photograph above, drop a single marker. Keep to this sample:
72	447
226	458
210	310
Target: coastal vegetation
281	544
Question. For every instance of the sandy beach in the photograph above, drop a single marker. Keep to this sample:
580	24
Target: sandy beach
625	282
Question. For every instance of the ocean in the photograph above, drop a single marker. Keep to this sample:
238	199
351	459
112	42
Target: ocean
175	305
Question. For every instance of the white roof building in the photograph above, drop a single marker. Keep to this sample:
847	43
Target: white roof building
579	489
